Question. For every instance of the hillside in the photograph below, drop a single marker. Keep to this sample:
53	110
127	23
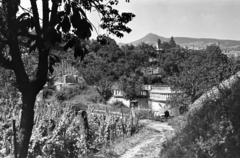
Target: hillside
190	42
211	127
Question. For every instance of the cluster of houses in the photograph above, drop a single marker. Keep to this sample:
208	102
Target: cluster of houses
154	97
231	53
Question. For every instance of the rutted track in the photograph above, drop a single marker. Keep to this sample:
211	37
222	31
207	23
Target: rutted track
151	146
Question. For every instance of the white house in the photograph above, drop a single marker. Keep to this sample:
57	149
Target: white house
155	98
158	97
118	95
231	53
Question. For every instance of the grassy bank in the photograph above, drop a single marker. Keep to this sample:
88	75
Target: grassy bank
211	131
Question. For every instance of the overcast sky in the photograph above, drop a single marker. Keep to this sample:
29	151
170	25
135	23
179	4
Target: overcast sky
183	18
180	18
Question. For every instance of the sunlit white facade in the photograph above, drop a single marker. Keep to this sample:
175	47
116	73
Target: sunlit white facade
158	96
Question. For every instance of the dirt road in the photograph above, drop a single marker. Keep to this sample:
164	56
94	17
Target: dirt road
151	146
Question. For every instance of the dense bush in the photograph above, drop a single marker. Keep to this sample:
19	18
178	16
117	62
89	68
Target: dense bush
212	131
95	98
47	92
145	114
61	96
117	104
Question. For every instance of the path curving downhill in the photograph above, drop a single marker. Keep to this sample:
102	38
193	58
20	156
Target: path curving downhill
151	146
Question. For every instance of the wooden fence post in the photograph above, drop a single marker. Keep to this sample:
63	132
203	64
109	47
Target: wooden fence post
85	127
123	128
14	139
133	117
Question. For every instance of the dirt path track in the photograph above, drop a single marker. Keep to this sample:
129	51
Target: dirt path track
151	146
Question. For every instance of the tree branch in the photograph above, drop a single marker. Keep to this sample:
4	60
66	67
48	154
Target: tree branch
44	47
45	17
36	16
41	75
17	63
42	71
27	10
53	13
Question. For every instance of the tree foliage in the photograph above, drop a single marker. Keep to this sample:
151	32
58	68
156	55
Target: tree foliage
136	60
100	67
194	72
111	64
132	86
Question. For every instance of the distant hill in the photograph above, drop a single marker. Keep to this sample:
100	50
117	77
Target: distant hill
189	42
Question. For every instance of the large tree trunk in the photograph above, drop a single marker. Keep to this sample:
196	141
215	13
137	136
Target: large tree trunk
26	125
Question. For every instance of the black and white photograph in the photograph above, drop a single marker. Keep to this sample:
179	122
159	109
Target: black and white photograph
119	78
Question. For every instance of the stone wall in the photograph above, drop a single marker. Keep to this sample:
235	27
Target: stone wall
70	79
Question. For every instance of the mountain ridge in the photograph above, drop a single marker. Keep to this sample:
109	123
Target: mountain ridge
152	38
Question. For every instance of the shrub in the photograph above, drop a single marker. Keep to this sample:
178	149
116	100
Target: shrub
47	93
145	114
118	104
69	92
79	106
61	96
95	98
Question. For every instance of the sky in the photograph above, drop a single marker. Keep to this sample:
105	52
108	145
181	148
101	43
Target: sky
218	19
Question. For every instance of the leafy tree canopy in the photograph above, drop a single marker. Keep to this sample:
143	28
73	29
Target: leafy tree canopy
113	64
194	72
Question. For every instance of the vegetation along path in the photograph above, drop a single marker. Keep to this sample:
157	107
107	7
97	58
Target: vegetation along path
151	146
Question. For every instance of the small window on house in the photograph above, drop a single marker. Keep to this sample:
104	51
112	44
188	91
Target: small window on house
116	91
